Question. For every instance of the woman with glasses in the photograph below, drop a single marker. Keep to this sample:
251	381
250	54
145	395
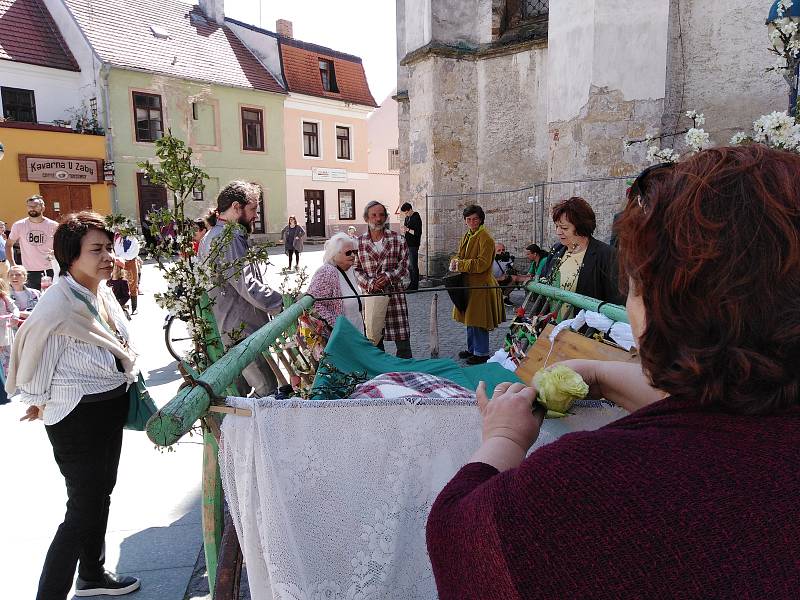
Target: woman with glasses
694	494
335	279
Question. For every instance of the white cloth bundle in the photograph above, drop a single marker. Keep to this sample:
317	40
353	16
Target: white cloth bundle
330	498
621	333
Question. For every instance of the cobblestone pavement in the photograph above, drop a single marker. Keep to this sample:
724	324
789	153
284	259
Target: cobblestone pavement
452	335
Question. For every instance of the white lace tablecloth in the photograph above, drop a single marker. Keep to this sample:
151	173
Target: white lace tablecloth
330	498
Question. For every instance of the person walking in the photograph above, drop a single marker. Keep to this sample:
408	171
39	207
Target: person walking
126	249
412	228
72	364
35	236
292	236
242	300
382	267
485	306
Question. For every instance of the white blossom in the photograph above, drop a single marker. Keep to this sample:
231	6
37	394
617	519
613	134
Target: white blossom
697	139
788	27
739	137
662	155
777	129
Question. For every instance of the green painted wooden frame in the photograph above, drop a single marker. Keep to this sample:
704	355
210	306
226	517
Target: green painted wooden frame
180	414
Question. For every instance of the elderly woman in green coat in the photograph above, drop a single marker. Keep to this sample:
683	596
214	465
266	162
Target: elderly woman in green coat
485	306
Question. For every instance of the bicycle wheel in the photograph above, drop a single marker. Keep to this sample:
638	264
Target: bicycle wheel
178	338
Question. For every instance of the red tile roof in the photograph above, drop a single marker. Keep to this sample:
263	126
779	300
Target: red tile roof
29	35
301	69
119	31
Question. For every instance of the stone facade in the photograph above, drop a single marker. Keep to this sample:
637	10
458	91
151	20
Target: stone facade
489	102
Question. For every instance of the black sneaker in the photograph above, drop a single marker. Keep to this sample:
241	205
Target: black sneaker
110	584
477	360
465	354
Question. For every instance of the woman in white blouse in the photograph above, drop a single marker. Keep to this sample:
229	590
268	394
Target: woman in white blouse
335	278
71	363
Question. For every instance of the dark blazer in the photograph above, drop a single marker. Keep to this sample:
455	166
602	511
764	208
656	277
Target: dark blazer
598	277
414	222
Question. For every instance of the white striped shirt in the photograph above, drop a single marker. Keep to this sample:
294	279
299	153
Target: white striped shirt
69	369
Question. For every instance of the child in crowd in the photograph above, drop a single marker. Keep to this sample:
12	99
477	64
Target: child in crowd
9	317
24	297
119	285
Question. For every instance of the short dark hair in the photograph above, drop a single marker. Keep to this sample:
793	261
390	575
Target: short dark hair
474	209
535	249
579	213
406	206
68	236
721	322
236	191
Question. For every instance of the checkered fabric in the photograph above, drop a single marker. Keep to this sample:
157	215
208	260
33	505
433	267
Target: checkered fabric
401	385
392	261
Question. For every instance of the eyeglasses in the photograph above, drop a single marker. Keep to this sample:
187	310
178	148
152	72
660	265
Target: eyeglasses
351	252
638	188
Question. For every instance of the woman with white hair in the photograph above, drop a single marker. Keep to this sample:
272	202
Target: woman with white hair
335	278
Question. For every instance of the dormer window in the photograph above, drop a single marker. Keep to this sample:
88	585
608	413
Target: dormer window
328	76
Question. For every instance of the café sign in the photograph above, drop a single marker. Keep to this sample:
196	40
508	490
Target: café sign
56	169
322	174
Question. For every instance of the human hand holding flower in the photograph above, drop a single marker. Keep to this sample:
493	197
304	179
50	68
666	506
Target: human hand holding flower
510	424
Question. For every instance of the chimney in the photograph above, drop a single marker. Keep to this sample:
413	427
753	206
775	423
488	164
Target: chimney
214	10
284	28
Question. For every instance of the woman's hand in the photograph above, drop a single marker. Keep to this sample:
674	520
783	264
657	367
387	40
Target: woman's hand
622	383
33	413
510	424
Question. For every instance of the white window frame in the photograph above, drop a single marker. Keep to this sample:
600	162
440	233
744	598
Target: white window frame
350	128
320	139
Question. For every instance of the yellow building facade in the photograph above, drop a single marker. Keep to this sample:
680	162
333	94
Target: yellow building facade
64	167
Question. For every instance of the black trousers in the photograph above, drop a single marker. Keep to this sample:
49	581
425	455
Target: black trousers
86	446
35	278
403	348
413	267
296	255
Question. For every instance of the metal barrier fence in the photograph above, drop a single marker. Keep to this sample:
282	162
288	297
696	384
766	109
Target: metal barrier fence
515	217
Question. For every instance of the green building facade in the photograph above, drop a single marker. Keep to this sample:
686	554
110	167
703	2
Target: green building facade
235	133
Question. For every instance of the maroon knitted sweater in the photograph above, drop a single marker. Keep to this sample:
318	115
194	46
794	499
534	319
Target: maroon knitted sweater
672	501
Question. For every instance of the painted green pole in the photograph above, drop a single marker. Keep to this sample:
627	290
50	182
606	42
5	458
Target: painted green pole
612	311
177	417
212	517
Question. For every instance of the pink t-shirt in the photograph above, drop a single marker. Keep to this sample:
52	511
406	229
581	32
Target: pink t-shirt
35	242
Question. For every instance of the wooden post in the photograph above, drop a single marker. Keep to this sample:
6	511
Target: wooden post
212	513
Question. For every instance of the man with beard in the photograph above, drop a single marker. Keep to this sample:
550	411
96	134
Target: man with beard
382	267
243	299
35	236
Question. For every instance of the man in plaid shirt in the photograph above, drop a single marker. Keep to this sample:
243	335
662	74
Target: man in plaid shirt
382	266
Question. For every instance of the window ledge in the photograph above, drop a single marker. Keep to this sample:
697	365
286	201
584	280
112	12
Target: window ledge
513	41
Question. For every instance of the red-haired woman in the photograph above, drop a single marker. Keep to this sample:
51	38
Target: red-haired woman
694	494
585	264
